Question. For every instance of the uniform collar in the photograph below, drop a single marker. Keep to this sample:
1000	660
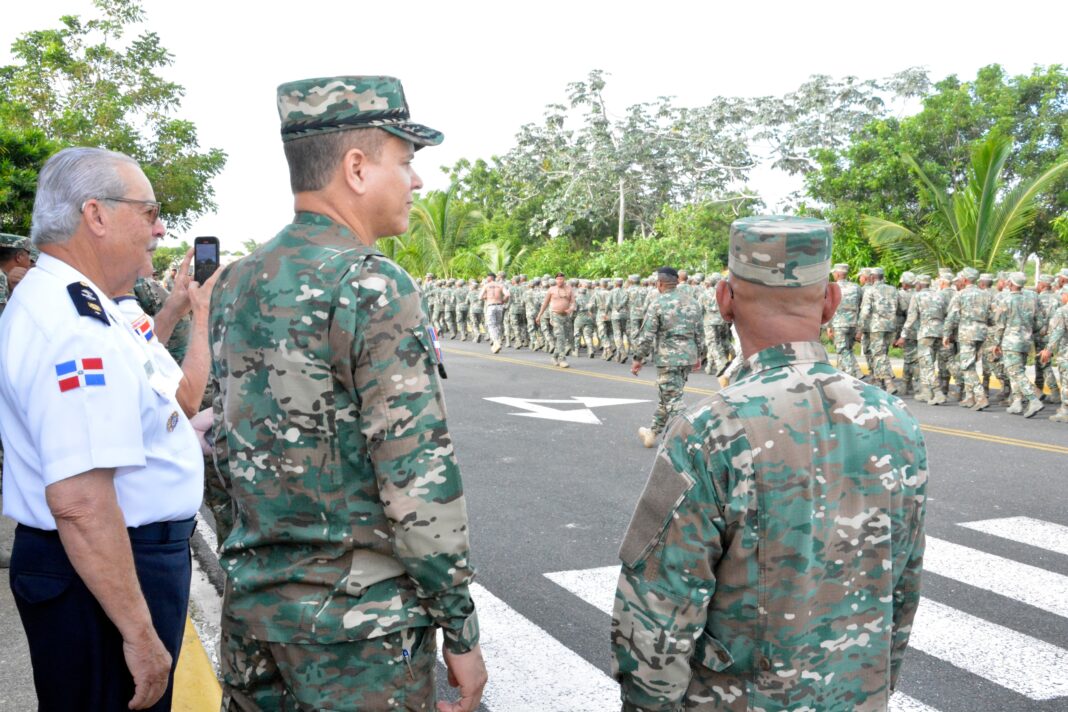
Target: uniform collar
67	274
789	354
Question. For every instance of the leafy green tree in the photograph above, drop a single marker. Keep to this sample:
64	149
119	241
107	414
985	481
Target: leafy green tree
499	255
706	225
86	84
438	236
23	151
978	226
163	257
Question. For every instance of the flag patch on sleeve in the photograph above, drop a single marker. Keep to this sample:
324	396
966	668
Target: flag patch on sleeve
144	327
79	373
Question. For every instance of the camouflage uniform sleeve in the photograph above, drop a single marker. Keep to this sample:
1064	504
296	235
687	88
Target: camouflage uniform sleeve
669	555
866	305
649	328
907	585
1056	329
949	326
911	321
380	325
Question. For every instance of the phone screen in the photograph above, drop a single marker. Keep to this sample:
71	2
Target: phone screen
206	252
205	258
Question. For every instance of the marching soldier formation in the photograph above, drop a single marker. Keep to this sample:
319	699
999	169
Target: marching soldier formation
958	333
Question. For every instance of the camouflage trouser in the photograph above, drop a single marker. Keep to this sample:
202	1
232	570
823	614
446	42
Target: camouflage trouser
448	316
911	361
969	369
844	338
1060	365
604	336
670	382
949	364
715	350
435	318
1016	369
461	323
360	675
533	336
992	365
583	330
546	327
562	333
476	321
865	348
1044	375
516	327
634	331
727	336
927	350
619	333
880	351
494	316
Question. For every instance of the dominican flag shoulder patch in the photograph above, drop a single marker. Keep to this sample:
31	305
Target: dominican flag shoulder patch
143	326
80	372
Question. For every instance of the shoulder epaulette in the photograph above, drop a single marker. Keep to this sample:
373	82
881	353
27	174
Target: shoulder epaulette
86	301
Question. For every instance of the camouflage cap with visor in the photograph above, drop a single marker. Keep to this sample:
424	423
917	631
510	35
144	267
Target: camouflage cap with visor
308	107
780	250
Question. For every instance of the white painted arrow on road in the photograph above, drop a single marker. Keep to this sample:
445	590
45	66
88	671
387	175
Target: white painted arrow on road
539	407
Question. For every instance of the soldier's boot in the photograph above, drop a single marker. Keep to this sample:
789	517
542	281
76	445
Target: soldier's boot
1033	407
955	391
938	398
986	382
967	402
496	347
923	395
647	437
1016	408
1061	416
709	365
564	364
889	387
906	386
1054	397
1005	395
981	402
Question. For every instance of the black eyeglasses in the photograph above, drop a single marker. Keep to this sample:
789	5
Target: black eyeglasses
152	205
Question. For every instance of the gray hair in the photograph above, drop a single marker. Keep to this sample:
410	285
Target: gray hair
68	179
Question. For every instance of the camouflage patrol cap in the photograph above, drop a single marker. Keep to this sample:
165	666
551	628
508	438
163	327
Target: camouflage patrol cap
878	272
924	279
970	273
986	277
1018	278
634	278
308	107
945	273
698	277
16	241
1044	279
573	281
780	250
907	277
605	281
865	271
619	281
715	277
840	267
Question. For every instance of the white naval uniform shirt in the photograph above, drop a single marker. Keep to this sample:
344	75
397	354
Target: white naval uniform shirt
77	394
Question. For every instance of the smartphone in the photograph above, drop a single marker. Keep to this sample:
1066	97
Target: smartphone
205	258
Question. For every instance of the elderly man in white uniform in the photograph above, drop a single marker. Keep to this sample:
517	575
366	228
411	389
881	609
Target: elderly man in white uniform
102	471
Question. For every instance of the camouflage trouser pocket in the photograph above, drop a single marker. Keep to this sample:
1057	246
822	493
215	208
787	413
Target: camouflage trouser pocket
663	494
712	654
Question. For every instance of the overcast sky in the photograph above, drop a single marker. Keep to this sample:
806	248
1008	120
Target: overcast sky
479	70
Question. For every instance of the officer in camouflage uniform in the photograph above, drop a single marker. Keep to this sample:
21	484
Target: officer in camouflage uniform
1048	302
584	318
992	364
637	298
843	328
1057	349
476	310
517	318
926	319
350	545
531	304
619	306
909	354
1014	335
948	359
603	318
966	324
773	561
671	321
462	307
712	323
864	327
878	310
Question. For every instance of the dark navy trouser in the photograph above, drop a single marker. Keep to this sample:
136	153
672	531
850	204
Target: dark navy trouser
75	649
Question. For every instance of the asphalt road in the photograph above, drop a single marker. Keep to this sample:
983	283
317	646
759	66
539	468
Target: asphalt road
549	495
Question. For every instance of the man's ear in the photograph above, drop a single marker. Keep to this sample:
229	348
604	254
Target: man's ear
94	217
725	300
831	299
354	169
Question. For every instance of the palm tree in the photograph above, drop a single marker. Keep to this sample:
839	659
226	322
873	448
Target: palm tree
437	237
973	227
498	255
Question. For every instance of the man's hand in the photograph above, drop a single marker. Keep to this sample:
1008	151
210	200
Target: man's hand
200	294
946	342
857	337
635	367
179	297
14	277
830	333
150	666
900	342
1044	355
468	672
997	352
201	423
697	366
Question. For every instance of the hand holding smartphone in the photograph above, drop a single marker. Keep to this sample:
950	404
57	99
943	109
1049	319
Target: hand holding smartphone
205	258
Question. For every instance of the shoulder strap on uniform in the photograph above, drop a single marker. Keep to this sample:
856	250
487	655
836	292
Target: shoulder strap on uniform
86	301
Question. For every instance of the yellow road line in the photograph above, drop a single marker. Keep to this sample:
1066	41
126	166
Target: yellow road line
196	688
997	439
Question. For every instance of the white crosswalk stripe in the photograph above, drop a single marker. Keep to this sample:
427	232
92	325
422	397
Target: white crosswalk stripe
1025	530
